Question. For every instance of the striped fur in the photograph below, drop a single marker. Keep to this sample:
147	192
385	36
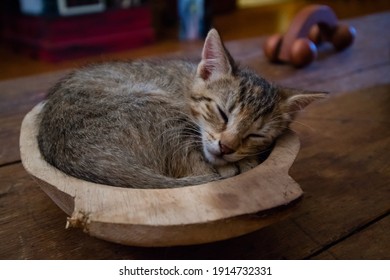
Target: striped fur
163	124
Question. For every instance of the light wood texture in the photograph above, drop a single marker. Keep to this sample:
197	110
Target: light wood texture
166	217
343	166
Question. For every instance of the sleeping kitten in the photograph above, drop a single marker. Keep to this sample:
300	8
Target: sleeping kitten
162	124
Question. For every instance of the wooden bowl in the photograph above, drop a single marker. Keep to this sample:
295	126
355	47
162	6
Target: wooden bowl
167	217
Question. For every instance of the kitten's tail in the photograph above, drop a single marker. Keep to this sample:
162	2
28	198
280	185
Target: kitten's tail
163	182
157	181
139	179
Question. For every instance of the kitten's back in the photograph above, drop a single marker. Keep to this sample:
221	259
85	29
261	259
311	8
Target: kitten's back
119	124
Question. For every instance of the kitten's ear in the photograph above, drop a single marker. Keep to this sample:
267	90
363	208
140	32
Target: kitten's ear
216	60
295	100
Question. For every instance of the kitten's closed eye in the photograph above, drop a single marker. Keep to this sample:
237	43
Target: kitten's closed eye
256	135
223	114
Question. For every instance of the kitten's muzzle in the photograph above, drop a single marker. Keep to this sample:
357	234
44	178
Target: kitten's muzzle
225	150
218	155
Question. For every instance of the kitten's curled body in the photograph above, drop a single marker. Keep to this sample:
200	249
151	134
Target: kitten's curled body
104	124
161	124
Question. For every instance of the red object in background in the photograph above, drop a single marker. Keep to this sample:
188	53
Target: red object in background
59	38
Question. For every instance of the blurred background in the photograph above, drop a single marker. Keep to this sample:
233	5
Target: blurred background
38	36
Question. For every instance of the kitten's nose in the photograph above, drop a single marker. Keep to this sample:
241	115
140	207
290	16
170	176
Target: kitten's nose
225	150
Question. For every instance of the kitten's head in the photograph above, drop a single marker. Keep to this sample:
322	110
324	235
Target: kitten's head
239	113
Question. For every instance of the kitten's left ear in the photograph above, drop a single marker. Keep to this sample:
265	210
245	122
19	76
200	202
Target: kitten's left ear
295	100
216	60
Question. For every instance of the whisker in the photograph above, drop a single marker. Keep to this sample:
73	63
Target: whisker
177	132
303	124
187	146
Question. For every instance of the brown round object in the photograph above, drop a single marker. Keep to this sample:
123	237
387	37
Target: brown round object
315	34
271	47
343	37
303	52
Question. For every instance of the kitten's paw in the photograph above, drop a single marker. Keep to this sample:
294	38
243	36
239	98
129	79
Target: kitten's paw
247	164
228	170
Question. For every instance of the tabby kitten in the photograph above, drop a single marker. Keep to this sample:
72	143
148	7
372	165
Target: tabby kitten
162	124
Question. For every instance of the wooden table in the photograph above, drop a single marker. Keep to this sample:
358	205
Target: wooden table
343	167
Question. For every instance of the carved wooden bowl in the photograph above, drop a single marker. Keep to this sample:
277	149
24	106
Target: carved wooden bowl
167	217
